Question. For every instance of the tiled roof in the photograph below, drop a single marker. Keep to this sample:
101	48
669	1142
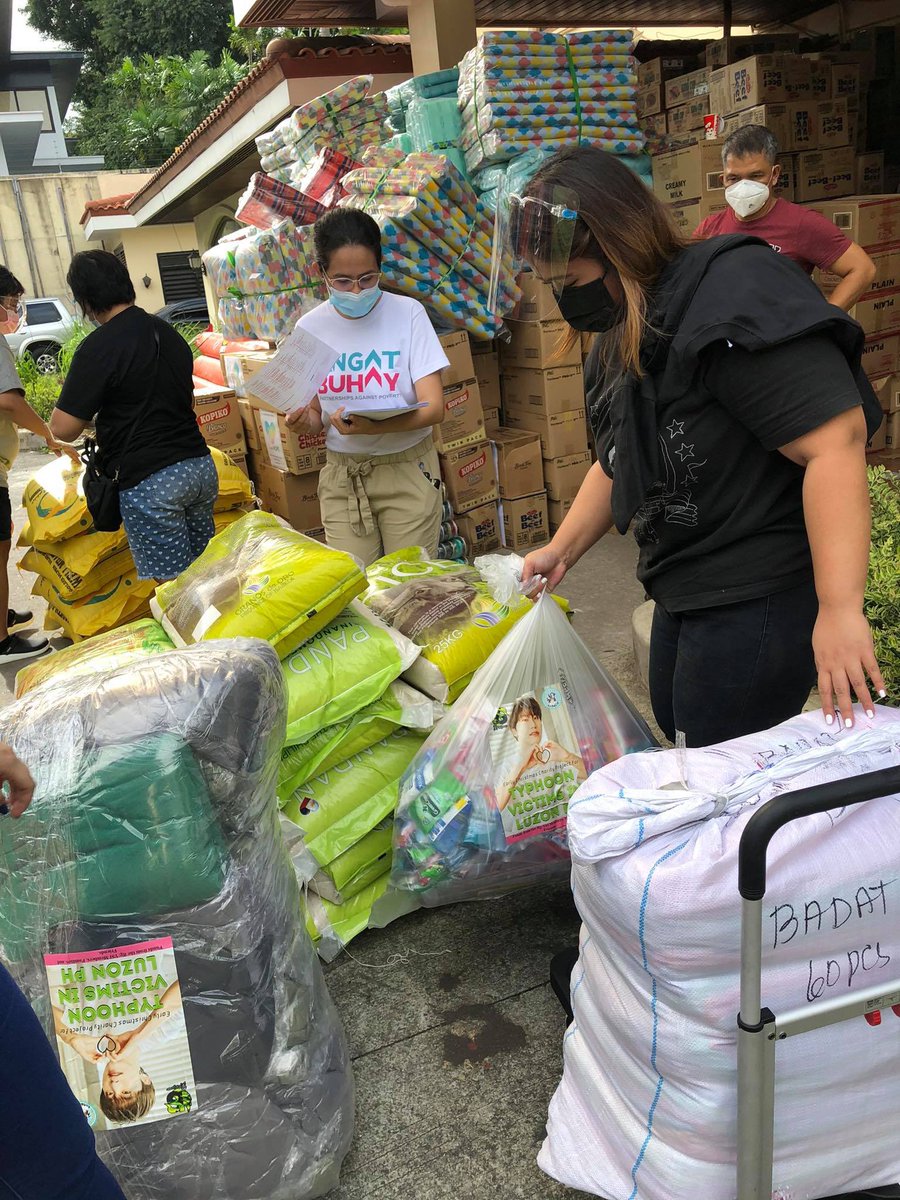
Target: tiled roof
106	206
318	51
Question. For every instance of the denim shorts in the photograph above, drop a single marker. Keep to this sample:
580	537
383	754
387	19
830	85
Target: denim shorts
169	517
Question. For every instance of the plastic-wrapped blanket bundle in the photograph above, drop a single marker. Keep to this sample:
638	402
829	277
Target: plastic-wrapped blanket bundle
483	807
431	86
267	201
527	89
264	280
260	578
437	237
88	578
348	118
150	912
648	1103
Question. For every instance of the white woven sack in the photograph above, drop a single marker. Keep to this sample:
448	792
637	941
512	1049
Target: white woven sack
647	1107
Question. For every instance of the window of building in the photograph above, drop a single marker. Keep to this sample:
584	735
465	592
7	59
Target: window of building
225	226
180	281
119	252
28	100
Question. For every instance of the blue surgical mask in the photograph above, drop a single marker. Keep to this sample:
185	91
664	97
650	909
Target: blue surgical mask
355	304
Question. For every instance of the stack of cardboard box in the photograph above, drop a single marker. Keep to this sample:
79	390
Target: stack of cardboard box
543	395
874	223
217	413
652	95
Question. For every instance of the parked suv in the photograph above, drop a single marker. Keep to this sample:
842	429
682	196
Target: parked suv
48	323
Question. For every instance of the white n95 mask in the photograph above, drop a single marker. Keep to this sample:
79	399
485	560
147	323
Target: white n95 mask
747	197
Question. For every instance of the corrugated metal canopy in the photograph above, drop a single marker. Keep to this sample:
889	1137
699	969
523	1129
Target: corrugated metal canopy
596	13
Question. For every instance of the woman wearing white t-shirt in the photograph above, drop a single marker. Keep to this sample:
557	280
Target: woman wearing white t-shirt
380	487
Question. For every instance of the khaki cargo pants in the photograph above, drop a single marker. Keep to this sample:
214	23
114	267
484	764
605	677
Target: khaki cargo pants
374	505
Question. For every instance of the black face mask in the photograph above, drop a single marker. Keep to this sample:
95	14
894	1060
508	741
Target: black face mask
590	308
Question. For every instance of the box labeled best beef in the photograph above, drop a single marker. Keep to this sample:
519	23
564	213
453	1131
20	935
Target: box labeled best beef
556	389
869	180
216	410
520	469
525	522
482	528
564	476
832	124
846	82
459	352
470	476
540	344
463	422
825	174
762	79
871	221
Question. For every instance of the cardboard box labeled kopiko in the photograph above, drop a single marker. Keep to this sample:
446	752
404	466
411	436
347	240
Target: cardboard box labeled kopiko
295	498
216	410
517	456
540	344
461	369
561	434
470	477
487	374
556	390
872	222
482	528
564	476
463	422
285	450
525	522
825	174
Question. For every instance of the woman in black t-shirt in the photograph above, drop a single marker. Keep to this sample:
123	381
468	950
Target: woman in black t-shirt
730	415
133	376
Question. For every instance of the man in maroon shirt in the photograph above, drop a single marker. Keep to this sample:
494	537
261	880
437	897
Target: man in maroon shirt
804	235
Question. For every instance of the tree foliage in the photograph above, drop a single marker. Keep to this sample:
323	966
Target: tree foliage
149	106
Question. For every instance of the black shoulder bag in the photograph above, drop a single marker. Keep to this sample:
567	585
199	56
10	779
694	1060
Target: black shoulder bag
100	491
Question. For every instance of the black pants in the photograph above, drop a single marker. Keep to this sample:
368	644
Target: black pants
720	673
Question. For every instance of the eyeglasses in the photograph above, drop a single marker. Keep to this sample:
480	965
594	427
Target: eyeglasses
344	283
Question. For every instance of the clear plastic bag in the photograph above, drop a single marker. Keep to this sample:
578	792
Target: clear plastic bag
151	856
483	806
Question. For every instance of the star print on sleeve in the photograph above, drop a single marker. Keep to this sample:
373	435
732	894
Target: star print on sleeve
684	451
676	429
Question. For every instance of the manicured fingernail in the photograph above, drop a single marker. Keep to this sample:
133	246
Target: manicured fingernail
848	722
882	694
870	713
829	719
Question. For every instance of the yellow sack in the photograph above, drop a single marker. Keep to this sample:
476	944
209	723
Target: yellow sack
55	502
56	507
83	552
259	579
96	655
54	569
106	609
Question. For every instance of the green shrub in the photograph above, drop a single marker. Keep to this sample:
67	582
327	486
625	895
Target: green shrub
42	394
883	586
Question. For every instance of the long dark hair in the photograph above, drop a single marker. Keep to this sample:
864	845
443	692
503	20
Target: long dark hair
620	224
99	281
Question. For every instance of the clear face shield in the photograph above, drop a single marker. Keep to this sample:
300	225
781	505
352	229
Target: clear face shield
531	233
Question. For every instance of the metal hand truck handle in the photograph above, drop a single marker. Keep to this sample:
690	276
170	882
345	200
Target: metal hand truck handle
759	1030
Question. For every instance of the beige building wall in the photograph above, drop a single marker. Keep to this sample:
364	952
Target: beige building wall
40	223
141	247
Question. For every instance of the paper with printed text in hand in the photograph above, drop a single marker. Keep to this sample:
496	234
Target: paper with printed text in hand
295	374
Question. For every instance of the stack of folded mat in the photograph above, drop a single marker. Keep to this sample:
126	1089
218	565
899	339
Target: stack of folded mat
437	237
348	118
154	832
433	85
533	88
264	280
